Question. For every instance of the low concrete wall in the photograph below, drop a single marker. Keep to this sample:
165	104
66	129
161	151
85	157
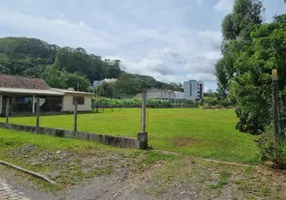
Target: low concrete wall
116	141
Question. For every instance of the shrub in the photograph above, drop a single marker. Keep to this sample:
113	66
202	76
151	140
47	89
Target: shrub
271	152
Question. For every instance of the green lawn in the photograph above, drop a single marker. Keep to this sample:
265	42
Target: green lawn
197	132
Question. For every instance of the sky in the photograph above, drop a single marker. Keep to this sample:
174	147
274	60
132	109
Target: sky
171	40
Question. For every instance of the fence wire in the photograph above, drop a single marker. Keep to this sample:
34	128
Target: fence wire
169	123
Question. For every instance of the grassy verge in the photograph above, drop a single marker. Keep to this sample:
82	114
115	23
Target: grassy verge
70	161
197	132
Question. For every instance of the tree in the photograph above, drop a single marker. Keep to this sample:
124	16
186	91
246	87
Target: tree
79	83
239	72
106	90
29	57
236	27
130	84
4	70
280	18
54	77
251	86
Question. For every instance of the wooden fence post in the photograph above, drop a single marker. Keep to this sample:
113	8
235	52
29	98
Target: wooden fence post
275	106
1	100
143	136
281	116
7	110
75	114
38	112
143	112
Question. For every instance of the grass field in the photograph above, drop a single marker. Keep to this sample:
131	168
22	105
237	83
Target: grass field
196	132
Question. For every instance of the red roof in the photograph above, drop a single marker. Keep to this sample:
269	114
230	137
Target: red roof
10	81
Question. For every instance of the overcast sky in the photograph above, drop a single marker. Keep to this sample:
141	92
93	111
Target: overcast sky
171	40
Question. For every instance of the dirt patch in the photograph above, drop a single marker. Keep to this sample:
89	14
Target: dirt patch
194	178
91	171
63	167
110	174
184	141
69	168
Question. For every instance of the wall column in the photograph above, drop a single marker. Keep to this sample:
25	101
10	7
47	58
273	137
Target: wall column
33	104
62	107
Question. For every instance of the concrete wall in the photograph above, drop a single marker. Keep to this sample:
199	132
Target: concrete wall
116	141
69	107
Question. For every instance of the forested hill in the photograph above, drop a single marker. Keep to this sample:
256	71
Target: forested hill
61	67
36	58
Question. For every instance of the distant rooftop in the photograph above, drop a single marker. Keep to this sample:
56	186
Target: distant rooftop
10	81
34	86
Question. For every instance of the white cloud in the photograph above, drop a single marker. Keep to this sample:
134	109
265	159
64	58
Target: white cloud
168	53
212	55
224	6
146	66
210	39
63	31
200	65
202	76
168	65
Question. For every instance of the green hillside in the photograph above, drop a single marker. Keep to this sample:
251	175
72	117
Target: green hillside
65	67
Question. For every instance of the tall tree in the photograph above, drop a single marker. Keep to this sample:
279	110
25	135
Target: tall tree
252	85
236	27
79	83
54	77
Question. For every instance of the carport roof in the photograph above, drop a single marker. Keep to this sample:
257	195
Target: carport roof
4	90
72	92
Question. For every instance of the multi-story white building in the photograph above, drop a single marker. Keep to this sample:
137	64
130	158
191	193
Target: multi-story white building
164	94
193	90
179	95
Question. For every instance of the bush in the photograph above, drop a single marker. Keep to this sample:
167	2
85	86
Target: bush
254	122
213	107
271	152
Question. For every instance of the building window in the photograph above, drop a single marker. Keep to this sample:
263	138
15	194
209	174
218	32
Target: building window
80	100
190	89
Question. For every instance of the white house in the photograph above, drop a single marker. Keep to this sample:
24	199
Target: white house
193	90
83	100
22	93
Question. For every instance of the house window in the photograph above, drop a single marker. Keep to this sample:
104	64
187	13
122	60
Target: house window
80	100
